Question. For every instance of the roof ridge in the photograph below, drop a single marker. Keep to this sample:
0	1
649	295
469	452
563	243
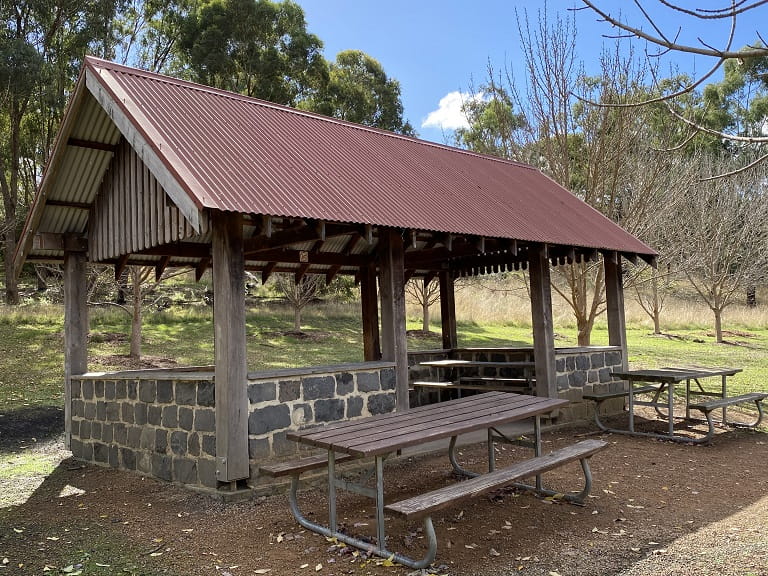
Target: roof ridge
99	62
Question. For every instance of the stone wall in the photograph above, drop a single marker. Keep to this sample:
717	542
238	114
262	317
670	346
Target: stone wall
163	422
160	423
286	400
584	370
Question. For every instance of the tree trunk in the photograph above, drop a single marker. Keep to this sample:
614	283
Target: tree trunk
297	319
718	325
655	306
584	326
425	316
10	190
136	320
752	296
40	273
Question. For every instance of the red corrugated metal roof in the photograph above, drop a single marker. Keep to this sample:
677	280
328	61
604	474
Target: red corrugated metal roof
244	155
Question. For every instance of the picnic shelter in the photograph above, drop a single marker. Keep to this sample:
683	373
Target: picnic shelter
153	171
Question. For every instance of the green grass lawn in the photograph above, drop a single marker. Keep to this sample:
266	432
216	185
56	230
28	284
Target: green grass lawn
32	361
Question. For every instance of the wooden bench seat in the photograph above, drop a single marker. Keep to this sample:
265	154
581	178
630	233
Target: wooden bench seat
300	465
710	405
603	396
425	504
486	384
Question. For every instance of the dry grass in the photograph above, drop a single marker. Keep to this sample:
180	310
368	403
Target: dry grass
492	300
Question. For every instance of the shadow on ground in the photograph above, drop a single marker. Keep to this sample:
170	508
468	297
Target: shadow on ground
35	424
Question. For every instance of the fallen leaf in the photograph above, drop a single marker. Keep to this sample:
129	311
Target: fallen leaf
304	566
493	552
318	567
262	570
470	546
389	562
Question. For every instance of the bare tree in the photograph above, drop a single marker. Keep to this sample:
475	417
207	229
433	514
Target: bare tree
721	237
425	292
591	149
299	293
667	43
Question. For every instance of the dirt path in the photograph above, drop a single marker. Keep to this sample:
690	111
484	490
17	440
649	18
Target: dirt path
656	508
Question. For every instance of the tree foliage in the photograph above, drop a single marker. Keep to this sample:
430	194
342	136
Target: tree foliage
358	90
257	48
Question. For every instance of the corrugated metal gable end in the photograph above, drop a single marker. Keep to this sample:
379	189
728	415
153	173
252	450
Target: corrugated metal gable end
245	155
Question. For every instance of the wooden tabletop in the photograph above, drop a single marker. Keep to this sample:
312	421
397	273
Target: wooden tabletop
377	435
673	375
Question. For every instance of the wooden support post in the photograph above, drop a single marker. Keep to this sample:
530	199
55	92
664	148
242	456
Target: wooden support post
370	306
543	331
75	329
614	298
229	336
394	347
448	310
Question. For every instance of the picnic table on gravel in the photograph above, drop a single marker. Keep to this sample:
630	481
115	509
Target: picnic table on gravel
658	381
379	436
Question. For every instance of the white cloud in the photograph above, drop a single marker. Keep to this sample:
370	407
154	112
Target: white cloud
449	115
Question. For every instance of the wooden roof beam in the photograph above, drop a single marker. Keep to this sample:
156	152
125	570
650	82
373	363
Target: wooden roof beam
267	272
122	263
201	267
161	266
91	145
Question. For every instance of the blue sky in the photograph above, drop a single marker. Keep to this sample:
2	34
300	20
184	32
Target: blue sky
435	48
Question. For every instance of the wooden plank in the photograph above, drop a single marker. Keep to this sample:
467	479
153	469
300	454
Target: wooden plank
543	331
451	363
460	385
231	373
429	411
301	465
370	313
156	156
614	299
448	311
730	401
425	504
75	329
394	346
600	396
384	437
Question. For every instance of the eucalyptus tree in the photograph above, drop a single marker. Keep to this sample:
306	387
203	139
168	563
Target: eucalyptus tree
359	90
492	122
254	47
149	32
41	47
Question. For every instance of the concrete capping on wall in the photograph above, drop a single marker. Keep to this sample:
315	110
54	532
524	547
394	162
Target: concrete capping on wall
162	422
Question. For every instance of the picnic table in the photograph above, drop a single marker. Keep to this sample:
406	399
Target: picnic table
461	375
658	381
379	436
